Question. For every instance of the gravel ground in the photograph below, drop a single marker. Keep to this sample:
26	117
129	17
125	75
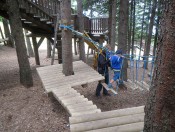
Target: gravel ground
31	109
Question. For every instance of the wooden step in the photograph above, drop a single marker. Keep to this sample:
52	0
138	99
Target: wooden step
85	108
133	127
110	122
107	114
109	89
80	113
79	105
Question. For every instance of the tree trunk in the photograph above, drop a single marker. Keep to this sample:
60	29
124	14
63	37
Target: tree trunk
110	21
130	27
66	38
35	46
49	48
153	12
81	29
29	47
75	45
10	42
141	37
59	43
17	32
113	25
156	37
133	28
122	32
160	106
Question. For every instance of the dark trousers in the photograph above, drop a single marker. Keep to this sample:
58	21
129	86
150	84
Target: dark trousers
99	86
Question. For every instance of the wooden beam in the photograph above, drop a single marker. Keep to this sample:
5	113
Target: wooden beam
111	122
107	114
40	41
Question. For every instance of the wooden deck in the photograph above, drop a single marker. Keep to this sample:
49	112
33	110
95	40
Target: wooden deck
55	81
85	116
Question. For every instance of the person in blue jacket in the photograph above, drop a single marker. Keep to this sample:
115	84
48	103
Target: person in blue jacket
116	65
103	63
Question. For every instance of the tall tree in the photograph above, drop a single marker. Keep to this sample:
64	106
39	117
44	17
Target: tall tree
160	106
130	26
122	32
133	26
81	29
66	38
17	32
141	37
112	32
147	48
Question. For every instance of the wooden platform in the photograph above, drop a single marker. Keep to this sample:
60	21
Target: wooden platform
85	116
55	81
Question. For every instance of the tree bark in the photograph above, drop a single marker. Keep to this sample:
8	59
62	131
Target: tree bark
133	28
130	27
122	32
59	43
75	45
66	38
160	106
109	21
10	42
147	48
141	37
29	47
81	29
112	32
17	32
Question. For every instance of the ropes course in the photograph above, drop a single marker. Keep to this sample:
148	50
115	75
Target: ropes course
134	64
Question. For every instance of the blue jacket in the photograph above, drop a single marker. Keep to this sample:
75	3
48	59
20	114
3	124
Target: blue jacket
116	62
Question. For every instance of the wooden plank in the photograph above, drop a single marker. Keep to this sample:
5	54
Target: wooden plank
133	127
109	89
85	108
85	112
79	105
60	79
72	80
66	93
107	114
69	96
74	100
111	122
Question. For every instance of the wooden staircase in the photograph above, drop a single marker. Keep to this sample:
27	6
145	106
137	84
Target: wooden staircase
37	16
84	115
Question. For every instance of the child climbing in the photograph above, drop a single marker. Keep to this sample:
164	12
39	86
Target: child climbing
116	65
103	63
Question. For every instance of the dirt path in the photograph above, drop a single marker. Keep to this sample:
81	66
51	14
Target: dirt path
31	109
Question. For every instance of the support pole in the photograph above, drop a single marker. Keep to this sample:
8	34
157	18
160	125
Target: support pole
35	46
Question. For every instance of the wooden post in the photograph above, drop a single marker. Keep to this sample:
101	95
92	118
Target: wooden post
49	48
35	46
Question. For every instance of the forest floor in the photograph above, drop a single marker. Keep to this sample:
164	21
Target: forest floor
23	109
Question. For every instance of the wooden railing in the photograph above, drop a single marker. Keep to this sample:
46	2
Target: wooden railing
44	10
98	25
